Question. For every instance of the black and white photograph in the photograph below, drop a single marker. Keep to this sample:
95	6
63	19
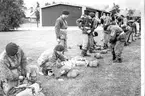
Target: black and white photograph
72	47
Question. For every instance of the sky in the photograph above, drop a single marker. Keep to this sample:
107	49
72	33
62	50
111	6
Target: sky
131	4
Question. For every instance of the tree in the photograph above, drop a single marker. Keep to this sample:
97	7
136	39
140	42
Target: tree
115	9
37	13
53	2
11	14
131	12
46	4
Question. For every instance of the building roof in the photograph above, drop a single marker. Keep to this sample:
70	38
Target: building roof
61	4
74	5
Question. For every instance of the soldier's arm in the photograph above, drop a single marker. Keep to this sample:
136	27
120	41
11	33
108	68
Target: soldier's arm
79	22
57	28
23	63
62	58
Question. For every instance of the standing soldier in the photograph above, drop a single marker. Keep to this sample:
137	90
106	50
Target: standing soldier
61	29
93	33
84	23
117	41
127	29
108	19
103	18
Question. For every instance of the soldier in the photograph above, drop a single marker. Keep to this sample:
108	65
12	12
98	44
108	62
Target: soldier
93	33
14	61
103	18
61	29
127	29
108	19
84	23
117	41
50	60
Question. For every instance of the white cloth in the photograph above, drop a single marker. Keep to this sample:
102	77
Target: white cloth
99	39
28	91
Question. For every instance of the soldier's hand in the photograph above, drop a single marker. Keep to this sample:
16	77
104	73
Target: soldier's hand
58	40
21	77
89	31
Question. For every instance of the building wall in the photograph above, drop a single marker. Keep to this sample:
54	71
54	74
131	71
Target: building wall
50	14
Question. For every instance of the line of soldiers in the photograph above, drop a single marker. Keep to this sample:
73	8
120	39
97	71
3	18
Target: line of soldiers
118	31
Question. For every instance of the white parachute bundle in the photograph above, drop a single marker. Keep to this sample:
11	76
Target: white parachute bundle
76	61
73	73
79	61
104	51
32	90
94	63
98	56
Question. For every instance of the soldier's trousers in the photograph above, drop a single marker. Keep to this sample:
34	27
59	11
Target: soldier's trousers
63	39
91	42
106	38
63	42
127	36
85	42
117	49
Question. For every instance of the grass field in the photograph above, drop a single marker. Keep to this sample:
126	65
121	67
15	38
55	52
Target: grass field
109	79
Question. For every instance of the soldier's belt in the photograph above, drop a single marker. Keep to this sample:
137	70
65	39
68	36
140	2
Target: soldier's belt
63	29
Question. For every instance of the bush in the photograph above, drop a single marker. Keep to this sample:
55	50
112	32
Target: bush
11	14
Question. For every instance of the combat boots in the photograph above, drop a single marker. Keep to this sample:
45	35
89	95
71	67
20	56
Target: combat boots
84	53
114	56
105	46
117	60
92	51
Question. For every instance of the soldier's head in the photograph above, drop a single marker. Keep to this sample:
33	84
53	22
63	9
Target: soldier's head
103	14
92	14
65	14
86	12
59	49
11	49
124	28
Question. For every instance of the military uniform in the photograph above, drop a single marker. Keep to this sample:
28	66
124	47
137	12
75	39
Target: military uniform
16	64
84	23
117	41
12	68
50	60
128	31
92	42
61	31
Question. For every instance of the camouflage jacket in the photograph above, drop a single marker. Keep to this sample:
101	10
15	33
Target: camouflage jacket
84	23
49	58
116	33
15	66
